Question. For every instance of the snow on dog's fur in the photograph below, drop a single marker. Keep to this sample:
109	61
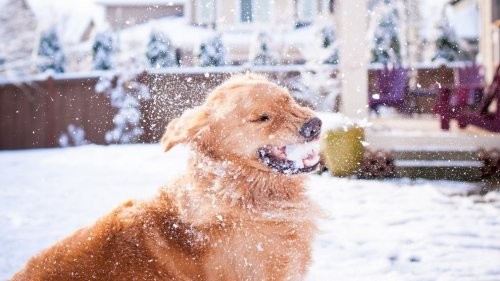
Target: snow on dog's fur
239	212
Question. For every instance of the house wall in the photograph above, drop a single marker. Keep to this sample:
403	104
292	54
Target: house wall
489	36
19	38
282	16
123	16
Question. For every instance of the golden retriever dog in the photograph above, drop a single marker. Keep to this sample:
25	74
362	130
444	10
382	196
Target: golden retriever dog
240	212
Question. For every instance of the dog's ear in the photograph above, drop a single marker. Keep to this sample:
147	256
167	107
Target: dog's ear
185	128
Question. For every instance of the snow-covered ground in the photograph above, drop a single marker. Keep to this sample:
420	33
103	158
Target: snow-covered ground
372	230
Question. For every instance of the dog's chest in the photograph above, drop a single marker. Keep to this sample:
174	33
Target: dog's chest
263	250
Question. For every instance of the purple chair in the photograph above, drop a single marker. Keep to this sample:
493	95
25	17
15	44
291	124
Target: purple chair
454	103
469	85
469	75
390	89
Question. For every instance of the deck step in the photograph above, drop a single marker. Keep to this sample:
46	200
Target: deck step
448	172
463	165
436	155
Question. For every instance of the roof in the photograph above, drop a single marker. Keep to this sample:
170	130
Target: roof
177	29
140	2
70	18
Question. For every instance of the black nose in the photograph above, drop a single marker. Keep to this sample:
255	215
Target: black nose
311	128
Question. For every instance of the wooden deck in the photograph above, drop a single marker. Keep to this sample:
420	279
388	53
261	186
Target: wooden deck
422	133
422	150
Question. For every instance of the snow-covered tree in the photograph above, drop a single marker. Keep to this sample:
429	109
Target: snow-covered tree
211	52
125	94
386	42
329	44
323	48
316	86
161	52
261	52
75	136
50	53
18	37
447	45
102	50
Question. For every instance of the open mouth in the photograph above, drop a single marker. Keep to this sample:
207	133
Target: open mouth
291	158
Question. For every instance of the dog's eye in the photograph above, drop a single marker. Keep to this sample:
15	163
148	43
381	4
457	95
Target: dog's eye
263	118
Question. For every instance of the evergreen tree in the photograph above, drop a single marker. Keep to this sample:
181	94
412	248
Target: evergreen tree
316	86
386	43
161	52
328	42
261	53
101	51
447	46
50	53
211	52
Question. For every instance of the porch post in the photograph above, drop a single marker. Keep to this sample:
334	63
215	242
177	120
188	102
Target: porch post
485	38
353	56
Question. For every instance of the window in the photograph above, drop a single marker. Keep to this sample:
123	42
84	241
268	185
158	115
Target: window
327	6
205	12
246	13
262	10
255	10
307	10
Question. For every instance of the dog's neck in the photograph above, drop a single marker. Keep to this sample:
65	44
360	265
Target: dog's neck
246	186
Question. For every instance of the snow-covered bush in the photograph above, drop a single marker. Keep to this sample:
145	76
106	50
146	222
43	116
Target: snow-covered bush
102	50
161	52
447	45
211	52
316	86
324	46
75	136
125	94
50	54
329	43
261	52
386	42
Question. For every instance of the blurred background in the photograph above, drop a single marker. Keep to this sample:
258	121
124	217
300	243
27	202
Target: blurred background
408	91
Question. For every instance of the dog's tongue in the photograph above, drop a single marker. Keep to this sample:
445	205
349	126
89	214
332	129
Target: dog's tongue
303	153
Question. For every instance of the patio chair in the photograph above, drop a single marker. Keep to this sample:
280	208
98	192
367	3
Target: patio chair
470	83
390	89
456	103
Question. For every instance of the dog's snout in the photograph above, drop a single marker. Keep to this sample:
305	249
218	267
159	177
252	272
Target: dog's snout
311	128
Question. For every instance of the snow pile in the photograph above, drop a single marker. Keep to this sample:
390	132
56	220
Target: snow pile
338	121
182	34
300	151
371	230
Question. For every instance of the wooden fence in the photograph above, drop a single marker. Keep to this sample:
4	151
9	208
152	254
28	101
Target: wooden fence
36	112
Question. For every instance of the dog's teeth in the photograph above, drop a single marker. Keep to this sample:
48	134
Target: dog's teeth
311	161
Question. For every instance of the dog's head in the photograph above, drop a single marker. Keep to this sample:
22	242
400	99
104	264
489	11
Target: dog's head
250	121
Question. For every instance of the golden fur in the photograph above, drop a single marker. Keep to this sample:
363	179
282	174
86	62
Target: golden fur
229	217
